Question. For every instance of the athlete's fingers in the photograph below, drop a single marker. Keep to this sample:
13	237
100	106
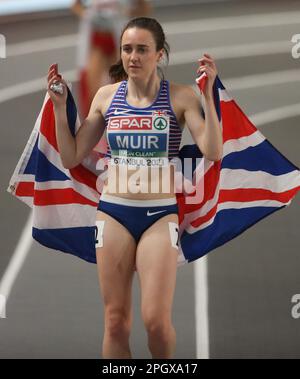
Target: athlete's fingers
52	68
54	77
56	80
205	59
62	86
53	71
207	62
51	81
201	68
51	76
207	69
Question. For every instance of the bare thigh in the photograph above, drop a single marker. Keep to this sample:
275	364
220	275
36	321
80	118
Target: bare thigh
156	263
116	262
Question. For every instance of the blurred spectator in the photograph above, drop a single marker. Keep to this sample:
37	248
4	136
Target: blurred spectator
100	28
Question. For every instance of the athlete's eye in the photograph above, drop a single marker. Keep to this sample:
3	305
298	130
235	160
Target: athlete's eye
142	49
126	49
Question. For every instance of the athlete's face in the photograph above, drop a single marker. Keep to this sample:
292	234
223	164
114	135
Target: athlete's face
138	52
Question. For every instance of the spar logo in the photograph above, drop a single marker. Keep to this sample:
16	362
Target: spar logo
159	120
130	123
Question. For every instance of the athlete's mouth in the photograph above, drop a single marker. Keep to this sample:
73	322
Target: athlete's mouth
134	67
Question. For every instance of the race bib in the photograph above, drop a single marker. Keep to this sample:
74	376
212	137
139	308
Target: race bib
139	140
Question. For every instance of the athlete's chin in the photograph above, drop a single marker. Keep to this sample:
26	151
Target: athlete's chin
134	71
134	74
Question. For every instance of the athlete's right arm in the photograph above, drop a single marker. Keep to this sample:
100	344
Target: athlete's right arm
74	149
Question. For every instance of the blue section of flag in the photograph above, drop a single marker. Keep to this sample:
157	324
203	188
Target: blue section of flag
217	85
228	224
77	241
46	171
71	112
261	157
30	168
190	156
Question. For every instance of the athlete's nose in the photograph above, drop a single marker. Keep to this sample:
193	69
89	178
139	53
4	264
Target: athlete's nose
134	57
133	60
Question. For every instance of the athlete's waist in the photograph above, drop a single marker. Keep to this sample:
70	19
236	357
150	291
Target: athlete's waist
138	202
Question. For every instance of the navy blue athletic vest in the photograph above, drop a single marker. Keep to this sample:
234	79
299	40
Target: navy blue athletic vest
148	134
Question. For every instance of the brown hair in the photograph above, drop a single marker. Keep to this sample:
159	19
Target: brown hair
116	71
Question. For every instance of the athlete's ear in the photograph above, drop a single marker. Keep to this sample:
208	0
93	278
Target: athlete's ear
161	54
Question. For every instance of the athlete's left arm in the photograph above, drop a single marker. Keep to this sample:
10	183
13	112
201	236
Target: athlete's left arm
207	133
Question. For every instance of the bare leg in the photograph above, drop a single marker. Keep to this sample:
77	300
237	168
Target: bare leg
115	261
162	342
116	337
156	262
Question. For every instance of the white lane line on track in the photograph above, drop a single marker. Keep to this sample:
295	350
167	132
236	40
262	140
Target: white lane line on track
201	308
186	57
171	28
232	23
277	114
264	79
16	262
32	86
244	82
232	51
41	45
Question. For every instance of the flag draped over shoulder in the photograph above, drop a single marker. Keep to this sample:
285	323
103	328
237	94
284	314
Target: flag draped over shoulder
251	181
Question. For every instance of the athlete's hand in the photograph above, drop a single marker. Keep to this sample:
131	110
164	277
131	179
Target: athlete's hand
53	77
207	65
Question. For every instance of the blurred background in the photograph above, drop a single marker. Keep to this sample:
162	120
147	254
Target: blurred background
240	296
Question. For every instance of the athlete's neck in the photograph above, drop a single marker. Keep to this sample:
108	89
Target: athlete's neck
140	90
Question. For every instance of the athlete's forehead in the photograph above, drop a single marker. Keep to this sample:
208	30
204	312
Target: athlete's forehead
138	37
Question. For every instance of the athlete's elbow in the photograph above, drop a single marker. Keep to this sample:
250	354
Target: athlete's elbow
215	157
68	164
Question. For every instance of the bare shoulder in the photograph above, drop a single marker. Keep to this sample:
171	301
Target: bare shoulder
104	96
108	89
183	93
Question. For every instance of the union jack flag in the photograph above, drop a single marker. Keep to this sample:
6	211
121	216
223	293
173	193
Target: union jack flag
251	181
